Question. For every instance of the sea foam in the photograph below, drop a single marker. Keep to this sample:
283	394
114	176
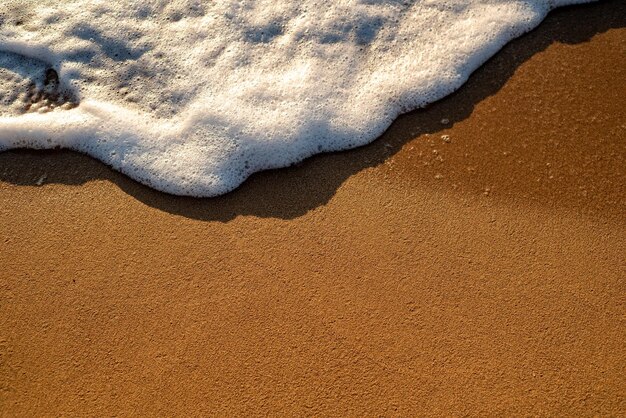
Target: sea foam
191	97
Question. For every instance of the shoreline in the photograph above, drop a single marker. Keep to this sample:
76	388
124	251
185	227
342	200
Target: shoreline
479	273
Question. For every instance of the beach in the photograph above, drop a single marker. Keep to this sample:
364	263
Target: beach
471	261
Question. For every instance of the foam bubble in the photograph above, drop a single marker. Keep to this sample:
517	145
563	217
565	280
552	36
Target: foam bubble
191	98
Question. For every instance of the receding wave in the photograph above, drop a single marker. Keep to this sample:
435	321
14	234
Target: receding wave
191	97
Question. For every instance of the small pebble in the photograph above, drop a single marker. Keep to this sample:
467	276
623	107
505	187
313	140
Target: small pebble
446	138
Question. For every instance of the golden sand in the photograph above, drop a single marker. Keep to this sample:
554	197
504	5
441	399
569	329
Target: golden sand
474	266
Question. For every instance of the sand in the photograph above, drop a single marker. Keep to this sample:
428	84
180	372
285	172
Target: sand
482	273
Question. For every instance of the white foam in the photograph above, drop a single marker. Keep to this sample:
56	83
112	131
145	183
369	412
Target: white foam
191	98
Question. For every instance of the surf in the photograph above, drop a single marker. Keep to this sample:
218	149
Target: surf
192	98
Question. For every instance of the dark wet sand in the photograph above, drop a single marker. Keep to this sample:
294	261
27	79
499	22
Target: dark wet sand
484	275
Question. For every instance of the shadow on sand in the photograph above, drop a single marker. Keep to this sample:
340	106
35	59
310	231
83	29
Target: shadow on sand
291	192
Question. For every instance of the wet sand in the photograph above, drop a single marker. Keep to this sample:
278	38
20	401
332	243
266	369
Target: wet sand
475	267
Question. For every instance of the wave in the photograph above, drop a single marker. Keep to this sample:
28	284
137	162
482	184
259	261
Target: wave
192	98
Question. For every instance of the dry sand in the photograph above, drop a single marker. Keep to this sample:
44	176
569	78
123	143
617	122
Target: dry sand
480	276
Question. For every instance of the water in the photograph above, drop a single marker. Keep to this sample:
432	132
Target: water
191	97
